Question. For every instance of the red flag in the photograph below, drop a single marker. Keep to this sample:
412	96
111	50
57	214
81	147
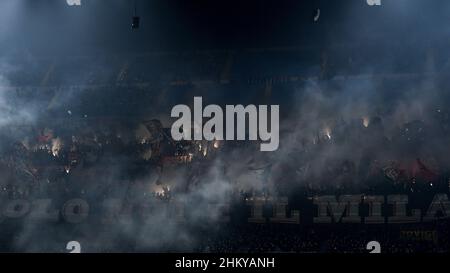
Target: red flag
420	170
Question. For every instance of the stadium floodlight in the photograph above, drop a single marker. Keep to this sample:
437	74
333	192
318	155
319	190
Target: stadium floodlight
373	2
73	2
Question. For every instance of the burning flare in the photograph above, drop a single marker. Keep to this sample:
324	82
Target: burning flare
327	131
366	121
56	146
216	144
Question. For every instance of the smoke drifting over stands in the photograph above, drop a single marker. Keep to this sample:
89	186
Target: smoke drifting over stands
85	113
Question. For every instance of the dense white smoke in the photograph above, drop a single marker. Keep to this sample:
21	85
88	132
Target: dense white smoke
317	122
